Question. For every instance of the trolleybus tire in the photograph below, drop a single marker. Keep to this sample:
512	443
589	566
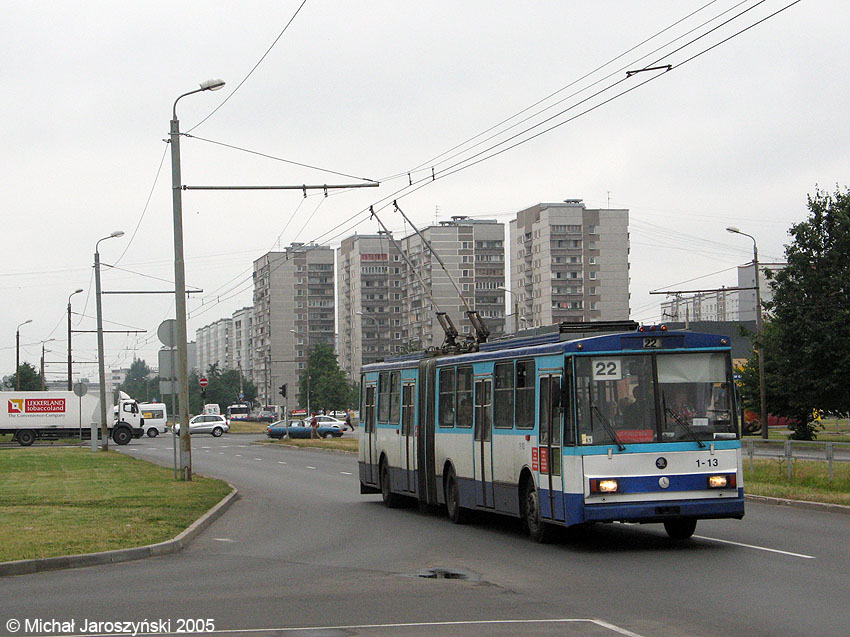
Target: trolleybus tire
26	438
680	528
457	514
538	530
391	500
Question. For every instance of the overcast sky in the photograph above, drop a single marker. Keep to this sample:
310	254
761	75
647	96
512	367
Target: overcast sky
738	135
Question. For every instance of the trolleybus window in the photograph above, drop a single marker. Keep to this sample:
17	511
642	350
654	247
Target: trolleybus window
395	396
525	394
383	397
483	411
616	399
695	397
464	397
447	397
503	409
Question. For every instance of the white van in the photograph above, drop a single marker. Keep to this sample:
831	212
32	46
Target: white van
212	409
156	417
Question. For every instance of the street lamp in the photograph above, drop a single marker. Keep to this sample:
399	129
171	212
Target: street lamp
180	284
100	369
43	383
759	330
70	387
18	355
517	317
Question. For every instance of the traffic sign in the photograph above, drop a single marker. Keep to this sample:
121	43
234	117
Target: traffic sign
204	382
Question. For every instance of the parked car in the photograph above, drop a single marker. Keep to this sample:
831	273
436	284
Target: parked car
214	424
331	420
301	429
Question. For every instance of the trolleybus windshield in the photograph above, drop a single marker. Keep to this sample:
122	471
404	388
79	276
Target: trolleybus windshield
664	397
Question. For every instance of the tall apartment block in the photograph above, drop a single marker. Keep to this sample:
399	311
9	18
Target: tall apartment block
242	340
570	263
293	310
213	345
370	281
473	251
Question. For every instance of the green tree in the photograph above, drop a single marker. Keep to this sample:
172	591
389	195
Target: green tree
223	388
807	340
137	383
329	388
30	378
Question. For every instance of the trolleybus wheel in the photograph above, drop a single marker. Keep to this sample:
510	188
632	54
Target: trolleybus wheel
538	530
457	514
391	500
680	528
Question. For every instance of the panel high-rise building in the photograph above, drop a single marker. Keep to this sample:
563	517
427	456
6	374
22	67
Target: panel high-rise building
293	311
370	283
570	263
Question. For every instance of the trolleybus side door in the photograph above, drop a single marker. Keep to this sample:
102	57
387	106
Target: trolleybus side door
483	444
408	436
550	477
369	434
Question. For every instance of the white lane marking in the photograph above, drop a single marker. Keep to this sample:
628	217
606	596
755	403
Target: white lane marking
242	446
257	458
485	622
223	539
206	447
309	467
281	462
753	546
221	453
346	473
238	455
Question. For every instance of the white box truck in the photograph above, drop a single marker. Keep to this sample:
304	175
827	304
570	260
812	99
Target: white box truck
49	415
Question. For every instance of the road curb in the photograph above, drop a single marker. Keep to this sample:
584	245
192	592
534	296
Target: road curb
799	504
27	567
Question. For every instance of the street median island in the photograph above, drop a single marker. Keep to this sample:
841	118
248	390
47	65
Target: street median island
68	507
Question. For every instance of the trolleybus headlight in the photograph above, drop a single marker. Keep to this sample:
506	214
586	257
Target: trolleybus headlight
722	481
604	485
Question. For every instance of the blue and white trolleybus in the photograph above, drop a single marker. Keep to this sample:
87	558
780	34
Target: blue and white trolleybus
563	428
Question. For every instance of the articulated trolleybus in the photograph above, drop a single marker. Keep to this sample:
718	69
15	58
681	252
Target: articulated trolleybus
571	427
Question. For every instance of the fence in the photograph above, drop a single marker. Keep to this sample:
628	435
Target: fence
805	450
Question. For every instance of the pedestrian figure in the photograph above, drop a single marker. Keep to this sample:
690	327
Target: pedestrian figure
314	427
348	420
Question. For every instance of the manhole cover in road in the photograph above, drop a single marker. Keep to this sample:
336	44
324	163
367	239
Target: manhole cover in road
447	573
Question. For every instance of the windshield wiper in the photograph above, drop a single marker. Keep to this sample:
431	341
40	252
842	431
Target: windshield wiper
681	422
606	425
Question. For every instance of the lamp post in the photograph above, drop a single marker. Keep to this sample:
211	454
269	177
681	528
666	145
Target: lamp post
180	284
70	386
41	367
104	429
517	317
18	355
759	330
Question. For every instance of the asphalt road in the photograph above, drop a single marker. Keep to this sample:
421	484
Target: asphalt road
302	552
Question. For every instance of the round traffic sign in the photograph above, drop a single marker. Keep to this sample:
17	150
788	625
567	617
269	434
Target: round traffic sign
204	382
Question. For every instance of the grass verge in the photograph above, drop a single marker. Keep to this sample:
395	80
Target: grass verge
809	481
66	501
248	427
340	444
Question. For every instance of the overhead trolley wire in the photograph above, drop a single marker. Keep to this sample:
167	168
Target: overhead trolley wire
254	68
